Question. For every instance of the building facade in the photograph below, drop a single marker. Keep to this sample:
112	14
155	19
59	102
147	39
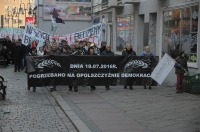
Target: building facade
14	13
76	15
167	26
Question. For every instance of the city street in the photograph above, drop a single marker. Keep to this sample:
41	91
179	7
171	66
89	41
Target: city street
118	110
26	111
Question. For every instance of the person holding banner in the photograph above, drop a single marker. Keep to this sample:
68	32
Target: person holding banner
180	69
32	52
128	51
107	52
74	51
91	52
147	54
54	51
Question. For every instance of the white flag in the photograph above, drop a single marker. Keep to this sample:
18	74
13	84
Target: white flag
54	26
163	69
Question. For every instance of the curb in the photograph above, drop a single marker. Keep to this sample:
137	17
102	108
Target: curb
74	118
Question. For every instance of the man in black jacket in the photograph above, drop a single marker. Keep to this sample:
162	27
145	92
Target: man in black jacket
107	52
18	56
128	51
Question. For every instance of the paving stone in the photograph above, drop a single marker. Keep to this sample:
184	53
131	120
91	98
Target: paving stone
156	110
27	111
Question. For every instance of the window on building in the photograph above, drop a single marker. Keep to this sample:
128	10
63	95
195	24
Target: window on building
180	32
124	32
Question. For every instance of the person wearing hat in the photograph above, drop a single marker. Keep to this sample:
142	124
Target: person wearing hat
180	69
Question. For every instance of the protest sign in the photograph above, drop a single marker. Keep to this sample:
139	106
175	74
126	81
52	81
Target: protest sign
32	33
163	69
88	70
13	33
92	34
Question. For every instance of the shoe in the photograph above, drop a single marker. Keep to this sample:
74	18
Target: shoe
107	88
34	89
177	91
52	89
75	89
125	87
15	71
93	88
149	87
131	88
145	87
70	88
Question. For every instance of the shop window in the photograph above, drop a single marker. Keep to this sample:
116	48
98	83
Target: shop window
180	32
124	32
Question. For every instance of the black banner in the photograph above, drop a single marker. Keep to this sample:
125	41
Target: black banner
88	70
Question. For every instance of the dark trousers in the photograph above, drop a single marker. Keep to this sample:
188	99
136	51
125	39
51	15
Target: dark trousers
17	64
71	87
179	81
147	81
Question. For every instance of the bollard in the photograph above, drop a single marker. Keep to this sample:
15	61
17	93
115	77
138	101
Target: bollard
3	86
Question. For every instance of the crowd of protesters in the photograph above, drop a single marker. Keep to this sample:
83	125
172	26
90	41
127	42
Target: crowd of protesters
14	52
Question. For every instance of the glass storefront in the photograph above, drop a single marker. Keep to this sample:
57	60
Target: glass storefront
180	27
124	32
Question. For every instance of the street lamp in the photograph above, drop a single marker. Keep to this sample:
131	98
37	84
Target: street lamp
9	16
23	10
16	12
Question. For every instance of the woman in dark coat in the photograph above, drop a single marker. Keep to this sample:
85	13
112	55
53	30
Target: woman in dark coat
91	52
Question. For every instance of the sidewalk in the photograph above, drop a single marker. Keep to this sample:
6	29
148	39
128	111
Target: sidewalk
138	110
26	111
117	110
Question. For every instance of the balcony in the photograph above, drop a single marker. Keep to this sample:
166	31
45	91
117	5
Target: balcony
108	3
130	1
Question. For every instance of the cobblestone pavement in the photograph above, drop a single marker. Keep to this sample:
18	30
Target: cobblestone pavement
26	111
138	110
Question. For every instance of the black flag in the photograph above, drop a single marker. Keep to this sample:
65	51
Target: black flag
56	16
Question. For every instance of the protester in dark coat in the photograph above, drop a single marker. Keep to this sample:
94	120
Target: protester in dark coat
91	51
74	51
128	51
24	52
5	53
103	46
18	56
107	52
180	69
